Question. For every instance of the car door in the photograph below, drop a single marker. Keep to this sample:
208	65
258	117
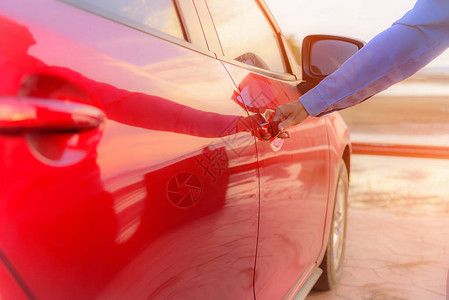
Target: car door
145	186
293	174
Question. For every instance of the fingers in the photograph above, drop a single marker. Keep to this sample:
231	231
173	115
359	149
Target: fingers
284	135
286	123
288	115
278	117
278	114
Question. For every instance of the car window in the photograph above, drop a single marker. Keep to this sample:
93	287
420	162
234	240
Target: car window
245	34
161	15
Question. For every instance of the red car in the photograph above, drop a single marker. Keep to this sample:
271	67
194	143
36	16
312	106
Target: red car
138	159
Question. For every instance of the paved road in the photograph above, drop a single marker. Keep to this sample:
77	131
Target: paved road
398	235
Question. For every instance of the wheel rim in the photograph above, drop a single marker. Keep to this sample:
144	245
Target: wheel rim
338	226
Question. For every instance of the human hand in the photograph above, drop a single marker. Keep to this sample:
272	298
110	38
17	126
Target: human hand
263	128
288	115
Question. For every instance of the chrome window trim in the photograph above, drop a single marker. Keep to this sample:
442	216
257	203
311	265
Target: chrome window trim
276	75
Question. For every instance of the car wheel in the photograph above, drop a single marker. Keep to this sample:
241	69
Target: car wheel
332	264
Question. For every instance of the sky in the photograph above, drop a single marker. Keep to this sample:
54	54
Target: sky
361	19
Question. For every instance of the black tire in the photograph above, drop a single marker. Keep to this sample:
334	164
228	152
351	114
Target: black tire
332	264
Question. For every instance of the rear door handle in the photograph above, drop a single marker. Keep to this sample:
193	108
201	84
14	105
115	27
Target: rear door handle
27	114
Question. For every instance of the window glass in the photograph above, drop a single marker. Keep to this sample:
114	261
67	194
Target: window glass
157	14
245	34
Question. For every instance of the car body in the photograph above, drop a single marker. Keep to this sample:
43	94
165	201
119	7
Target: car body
130	166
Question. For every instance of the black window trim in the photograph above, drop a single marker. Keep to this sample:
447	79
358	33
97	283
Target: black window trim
83	5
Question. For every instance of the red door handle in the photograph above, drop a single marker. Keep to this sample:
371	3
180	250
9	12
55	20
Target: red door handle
22	115
268	130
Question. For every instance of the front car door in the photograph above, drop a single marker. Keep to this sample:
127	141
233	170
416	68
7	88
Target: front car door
294	176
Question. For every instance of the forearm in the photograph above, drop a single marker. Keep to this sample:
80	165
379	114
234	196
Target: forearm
390	57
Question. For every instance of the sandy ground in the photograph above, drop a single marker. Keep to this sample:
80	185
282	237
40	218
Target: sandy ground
385	110
398	228
400	184
400	115
398	234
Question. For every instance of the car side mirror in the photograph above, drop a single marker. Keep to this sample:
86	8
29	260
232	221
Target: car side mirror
324	54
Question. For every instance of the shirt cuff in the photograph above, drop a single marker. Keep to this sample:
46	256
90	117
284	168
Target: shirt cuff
313	104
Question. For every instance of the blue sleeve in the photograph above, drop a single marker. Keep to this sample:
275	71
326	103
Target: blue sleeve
394	55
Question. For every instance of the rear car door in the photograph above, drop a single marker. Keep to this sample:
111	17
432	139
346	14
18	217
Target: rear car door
294	176
125	173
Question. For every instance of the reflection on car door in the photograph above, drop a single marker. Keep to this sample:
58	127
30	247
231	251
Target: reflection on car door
293	180
159	202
